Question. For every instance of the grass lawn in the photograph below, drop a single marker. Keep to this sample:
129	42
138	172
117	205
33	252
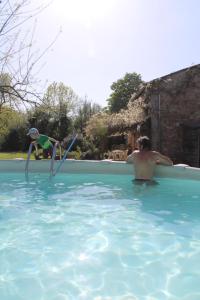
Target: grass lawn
13	155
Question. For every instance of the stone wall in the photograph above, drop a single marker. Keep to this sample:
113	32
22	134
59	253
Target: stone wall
175	100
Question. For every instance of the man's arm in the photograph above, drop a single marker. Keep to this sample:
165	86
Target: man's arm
162	159
130	158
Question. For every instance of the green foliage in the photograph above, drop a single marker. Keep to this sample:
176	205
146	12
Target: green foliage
60	113
5	96
97	126
54	116
5	79
123	90
50	122
74	155
58	94
97	132
12	130
84	113
83	148
90	150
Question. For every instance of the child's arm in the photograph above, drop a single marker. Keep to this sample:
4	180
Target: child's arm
36	147
53	140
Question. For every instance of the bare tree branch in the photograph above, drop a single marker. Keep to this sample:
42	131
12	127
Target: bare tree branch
17	57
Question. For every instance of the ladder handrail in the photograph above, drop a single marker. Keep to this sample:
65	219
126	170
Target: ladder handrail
53	159
28	158
65	154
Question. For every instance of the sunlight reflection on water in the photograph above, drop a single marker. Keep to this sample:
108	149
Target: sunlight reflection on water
98	237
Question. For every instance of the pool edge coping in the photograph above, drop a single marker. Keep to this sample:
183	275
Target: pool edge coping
97	167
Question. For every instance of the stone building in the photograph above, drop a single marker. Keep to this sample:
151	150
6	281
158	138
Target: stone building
168	110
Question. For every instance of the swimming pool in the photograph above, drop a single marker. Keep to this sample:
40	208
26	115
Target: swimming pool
98	236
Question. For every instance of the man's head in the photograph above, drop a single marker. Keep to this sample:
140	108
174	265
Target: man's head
34	133
144	143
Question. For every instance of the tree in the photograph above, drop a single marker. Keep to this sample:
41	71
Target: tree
63	102
17	57
60	94
5	92
13	130
84	113
123	90
55	115
97	130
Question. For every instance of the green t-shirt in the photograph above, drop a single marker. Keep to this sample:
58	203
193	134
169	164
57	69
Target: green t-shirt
44	141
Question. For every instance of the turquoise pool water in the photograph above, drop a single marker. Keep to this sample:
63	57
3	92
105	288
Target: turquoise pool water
98	237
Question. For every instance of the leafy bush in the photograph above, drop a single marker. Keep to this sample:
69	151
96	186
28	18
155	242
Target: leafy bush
74	155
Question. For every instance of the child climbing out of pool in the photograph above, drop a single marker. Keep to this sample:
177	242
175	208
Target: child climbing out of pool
145	160
44	141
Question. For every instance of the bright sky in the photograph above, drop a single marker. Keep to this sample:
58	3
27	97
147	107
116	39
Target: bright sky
101	40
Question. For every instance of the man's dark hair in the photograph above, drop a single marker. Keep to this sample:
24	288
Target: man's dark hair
144	143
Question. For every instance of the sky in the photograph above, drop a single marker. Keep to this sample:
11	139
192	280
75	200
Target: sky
101	40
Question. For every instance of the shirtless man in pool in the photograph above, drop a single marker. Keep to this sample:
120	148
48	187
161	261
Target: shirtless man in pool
145	160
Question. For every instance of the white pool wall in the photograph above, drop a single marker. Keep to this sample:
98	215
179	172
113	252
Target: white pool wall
96	167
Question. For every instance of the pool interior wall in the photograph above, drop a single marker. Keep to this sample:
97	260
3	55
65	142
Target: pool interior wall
97	167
